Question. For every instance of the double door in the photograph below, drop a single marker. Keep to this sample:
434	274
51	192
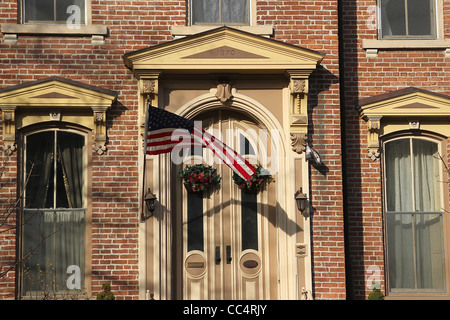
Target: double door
227	236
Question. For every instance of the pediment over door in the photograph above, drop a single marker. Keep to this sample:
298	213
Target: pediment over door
54	99
225	49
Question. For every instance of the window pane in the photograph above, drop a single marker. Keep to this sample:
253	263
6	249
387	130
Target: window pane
426	176
420	17
39	170
246	147
415	251
398	176
400	251
249	219
76	9
45	11
38	10
58	240
70	179
205	11
195	221
235	11
393	17
429	251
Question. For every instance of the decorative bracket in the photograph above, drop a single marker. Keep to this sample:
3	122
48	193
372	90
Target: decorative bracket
299	142
148	88
100	129
298	113
9	129
373	133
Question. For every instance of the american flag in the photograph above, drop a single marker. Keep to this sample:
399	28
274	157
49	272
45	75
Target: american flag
167	131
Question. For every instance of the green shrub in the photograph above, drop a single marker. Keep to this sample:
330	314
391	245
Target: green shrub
106	294
376	294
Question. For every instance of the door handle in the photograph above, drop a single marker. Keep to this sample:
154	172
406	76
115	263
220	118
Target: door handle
228	254
218	255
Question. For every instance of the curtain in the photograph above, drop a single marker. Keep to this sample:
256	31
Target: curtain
71	149
217	11
414	223
39	157
54	231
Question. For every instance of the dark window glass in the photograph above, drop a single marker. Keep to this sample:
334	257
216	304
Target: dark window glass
408	19
249	220
54	11
195	221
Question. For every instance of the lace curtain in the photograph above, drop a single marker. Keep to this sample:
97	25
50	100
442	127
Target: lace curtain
220	11
414	220
54	215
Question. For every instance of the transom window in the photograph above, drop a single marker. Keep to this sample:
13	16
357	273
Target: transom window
220	12
403	19
54	11
414	216
54	213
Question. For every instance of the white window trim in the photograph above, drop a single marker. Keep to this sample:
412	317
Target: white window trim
372	46
11	31
406	293
262	30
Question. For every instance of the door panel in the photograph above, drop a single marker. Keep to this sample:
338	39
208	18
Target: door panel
225	249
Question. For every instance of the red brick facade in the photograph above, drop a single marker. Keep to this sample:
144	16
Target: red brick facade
346	192
391	70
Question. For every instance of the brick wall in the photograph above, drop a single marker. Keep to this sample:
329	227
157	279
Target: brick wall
365	77
138	24
8	179
314	25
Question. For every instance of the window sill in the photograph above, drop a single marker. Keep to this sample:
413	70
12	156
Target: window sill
10	31
182	31
372	46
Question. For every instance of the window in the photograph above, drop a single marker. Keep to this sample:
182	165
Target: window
54	212
195	221
54	11
220	12
414	216
404	19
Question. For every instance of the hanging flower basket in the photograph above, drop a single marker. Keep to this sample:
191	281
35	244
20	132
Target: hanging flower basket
257	182
199	177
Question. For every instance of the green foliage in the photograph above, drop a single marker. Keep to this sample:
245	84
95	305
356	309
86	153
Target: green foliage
199	177
255	183
376	294
106	294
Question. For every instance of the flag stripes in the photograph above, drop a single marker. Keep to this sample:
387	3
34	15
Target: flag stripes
167	132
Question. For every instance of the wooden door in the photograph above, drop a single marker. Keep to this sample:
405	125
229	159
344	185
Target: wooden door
227	235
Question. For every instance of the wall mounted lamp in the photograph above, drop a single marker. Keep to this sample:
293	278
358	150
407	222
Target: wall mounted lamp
149	199
302	200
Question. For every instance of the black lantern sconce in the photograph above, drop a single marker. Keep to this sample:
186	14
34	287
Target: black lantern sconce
302	200
149	199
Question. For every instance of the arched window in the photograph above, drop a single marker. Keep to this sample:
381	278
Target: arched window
54	181
414	215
